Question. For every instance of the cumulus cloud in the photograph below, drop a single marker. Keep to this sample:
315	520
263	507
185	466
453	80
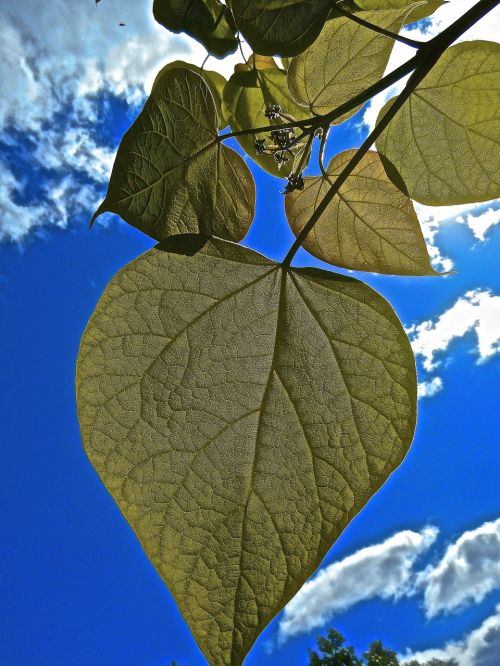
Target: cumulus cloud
468	571
380	571
428	389
480	648
55	66
478	310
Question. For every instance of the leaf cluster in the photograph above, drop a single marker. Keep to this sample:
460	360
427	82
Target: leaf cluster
242	411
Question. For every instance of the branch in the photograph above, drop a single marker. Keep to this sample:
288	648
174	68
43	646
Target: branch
427	56
371	26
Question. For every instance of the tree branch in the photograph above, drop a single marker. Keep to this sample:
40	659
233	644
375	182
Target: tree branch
429	53
371	26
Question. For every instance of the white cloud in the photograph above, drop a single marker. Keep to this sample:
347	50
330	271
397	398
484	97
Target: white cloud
480	648
428	389
383	571
477	310
468	571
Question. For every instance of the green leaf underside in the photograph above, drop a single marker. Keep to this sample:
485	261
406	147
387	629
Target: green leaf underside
171	175
215	81
422	10
246	96
369	226
346	59
444	141
240	416
208	21
283	29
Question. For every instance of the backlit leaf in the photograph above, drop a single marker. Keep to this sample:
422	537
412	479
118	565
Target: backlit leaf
444	142
418	12
369	225
246	96
280	28
240	416
208	21
215	81
171	174
344	60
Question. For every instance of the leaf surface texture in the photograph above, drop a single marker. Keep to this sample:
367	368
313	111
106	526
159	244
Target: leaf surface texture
171	174
444	142
240	416
208	21
280	28
369	225
346	59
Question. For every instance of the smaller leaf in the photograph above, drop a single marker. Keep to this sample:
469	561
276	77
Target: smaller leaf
246	97
256	61
346	59
215	81
444	142
208	21
369	225
280	27
172	175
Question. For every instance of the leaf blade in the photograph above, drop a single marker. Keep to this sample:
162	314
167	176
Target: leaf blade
444	143
235	479
163	178
369	226
346	59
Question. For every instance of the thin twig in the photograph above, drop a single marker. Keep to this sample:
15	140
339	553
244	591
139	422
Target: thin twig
371	26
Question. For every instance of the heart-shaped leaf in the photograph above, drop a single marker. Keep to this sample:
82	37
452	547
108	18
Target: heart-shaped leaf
241	414
215	81
444	142
208	21
280	28
416	13
369	225
246	96
172	175
346	59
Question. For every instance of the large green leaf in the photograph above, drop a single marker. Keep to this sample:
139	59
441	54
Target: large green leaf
344	60
369	225
444	143
208	21
241	416
246	96
172	175
215	81
280	28
418	12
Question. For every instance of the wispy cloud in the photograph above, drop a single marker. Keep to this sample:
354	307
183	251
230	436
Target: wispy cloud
468	571
380	571
479	648
478	311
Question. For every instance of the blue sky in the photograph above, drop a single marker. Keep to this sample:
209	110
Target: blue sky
421	561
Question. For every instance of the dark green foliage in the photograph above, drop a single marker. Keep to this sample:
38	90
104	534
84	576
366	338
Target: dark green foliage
334	652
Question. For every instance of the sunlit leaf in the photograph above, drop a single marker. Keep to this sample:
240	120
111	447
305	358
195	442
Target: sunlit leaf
280	28
246	96
344	60
418	12
215	81
369	225
208	21
172	175
240	416
444	143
